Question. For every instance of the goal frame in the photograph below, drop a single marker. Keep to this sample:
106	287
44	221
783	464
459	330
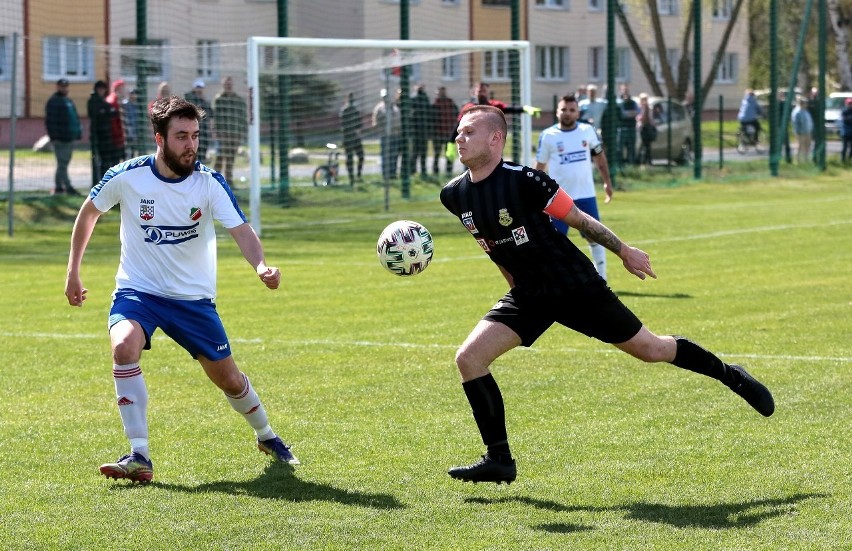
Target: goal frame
255	43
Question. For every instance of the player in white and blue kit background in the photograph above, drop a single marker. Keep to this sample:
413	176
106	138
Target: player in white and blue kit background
567	151
166	276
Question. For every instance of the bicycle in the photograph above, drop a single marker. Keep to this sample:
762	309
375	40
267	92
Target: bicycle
326	175
748	137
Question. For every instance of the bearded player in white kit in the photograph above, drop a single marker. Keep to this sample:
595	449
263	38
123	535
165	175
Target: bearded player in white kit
567	151
167	276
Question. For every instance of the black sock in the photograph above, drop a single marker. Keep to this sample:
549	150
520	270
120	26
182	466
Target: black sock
695	358
486	401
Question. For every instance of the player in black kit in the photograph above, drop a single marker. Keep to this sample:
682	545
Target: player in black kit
506	208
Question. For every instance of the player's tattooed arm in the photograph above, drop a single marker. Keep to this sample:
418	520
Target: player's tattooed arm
594	230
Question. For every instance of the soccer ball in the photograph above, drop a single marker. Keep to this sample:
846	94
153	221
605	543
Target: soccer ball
405	248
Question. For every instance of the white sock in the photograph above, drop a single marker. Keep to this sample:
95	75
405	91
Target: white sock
599	256
247	403
132	398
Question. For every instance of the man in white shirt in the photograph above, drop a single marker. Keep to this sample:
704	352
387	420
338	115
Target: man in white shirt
592	108
567	151
167	275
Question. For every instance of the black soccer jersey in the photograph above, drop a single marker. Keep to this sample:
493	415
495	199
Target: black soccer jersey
505	214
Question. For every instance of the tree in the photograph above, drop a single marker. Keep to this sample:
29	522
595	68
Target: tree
675	86
840	26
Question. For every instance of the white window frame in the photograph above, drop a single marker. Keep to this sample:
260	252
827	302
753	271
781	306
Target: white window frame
495	66
722	9
450	68
673	56
552	63
668	7
596	63
728	71
156	47
207	59
622	64
75	58
564	5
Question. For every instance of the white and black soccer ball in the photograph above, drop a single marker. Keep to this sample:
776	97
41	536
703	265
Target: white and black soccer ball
405	248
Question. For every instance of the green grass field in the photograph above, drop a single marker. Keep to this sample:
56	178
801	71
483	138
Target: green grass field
355	367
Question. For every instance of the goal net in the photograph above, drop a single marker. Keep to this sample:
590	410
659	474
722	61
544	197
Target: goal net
312	101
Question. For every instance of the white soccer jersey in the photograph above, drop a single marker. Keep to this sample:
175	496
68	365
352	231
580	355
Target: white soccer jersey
168	241
568	156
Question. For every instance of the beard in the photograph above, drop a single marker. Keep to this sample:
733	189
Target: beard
182	165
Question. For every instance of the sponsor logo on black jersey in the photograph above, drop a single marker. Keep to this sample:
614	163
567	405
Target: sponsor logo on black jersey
520	235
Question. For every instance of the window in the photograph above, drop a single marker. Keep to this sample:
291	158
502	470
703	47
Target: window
449	2
551	63
5	58
450	68
495	65
722	9
207	59
673	57
667	7
496	2
597	5
554	4
68	57
597	63
728	69
622	64
154	55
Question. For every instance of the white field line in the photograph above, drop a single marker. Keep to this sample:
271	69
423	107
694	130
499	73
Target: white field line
408	345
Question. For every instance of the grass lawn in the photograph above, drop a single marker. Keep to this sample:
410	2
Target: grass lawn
355	367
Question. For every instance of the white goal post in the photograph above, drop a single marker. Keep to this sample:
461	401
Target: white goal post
357	65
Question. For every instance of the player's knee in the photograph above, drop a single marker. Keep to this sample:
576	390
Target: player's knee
125	351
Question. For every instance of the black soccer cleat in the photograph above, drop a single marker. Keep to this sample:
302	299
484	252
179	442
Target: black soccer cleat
486	470
751	390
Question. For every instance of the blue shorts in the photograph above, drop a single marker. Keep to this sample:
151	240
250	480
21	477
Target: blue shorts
589	205
193	324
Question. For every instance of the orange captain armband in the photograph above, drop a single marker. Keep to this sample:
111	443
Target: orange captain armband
560	205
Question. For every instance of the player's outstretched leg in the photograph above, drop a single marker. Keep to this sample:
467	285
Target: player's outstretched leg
751	390
134	467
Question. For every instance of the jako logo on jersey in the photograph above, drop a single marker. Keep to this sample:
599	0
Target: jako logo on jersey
146	209
520	235
195	213
467	220
169	235
504	218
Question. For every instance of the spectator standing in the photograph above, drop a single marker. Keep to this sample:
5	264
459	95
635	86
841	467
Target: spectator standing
63	128
351	124
567	150
846	131
196	97
101	115
446	115
592	108
628	110
803	127
231	127
387	121
118	132
421	129
647	126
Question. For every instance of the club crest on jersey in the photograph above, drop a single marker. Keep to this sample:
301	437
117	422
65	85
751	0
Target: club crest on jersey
560	147
504	218
194	213
467	220
520	235
146	209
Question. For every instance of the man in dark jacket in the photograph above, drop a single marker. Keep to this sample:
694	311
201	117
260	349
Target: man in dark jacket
63	128
105	152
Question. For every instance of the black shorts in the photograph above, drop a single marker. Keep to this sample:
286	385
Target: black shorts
594	311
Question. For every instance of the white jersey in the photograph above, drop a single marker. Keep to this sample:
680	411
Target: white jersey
168	241
568	156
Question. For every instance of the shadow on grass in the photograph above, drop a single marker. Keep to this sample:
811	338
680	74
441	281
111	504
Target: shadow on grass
715	516
278	482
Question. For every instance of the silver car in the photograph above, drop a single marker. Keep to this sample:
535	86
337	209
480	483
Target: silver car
679	120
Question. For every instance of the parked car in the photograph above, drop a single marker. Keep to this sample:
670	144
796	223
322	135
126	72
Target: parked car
680	123
834	104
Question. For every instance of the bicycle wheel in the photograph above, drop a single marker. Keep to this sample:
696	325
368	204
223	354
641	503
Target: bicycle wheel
322	176
741	146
